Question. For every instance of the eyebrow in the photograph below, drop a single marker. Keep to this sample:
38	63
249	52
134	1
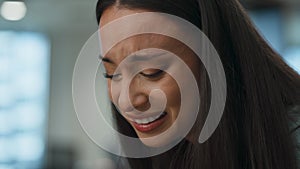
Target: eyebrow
104	59
136	57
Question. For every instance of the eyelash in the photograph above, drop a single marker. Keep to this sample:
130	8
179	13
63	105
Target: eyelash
107	76
152	75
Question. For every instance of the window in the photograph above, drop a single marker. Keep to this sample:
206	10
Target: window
272	25
24	76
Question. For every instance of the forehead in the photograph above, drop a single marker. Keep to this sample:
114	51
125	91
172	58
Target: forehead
140	42
137	42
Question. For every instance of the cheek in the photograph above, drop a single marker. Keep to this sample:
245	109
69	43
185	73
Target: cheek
172	92
173	96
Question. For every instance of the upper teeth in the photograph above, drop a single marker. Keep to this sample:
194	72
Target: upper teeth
147	120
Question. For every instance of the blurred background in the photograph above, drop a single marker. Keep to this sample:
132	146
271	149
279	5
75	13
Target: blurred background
39	43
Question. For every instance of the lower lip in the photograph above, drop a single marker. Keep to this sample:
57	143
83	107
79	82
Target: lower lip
150	126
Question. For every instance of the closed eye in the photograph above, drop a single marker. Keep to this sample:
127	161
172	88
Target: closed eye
151	74
107	76
115	76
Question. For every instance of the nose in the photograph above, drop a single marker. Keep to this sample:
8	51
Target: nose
132	95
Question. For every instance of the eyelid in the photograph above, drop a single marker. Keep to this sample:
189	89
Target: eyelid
152	75
113	76
150	71
157	72
106	75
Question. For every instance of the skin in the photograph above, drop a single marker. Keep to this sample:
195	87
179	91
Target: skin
143	83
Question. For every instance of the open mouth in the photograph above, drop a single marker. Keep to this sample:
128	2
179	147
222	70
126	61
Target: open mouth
150	123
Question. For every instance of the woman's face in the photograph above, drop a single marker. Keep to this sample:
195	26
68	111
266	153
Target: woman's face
152	75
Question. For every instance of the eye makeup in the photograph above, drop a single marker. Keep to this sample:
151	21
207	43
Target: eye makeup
155	73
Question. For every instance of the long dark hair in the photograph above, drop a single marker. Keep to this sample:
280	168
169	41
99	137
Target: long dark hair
255	131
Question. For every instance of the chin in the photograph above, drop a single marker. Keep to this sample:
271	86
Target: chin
165	138
155	143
